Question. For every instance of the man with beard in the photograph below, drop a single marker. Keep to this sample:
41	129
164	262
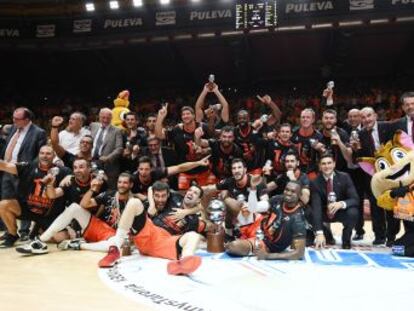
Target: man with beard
31	202
245	197
94	227
68	158
223	151
282	227
277	149
158	233
182	137
336	140
292	173
307	140
250	143
133	140
150	124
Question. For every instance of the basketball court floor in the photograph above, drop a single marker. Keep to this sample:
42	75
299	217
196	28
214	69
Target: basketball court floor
363	278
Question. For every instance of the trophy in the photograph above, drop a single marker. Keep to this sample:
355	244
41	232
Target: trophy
331	199
259	238
215	236
334	134
264	118
354	135
330	85
54	171
211	79
100	175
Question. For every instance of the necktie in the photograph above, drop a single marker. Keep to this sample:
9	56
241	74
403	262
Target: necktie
12	144
99	141
371	140
329	186
412	129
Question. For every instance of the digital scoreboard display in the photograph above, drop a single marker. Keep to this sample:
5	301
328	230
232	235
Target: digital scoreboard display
256	14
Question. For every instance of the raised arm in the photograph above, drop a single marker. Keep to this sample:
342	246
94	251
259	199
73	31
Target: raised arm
159	130
186	166
276	113
200	103
57	122
225	114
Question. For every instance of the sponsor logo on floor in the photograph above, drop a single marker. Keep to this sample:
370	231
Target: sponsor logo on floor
370	279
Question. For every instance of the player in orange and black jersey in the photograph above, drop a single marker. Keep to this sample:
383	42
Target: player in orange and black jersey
182	137
223	151
31	202
161	230
282	227
307	138
278	148
251	143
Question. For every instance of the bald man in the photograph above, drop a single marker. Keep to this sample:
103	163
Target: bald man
107	146
373	134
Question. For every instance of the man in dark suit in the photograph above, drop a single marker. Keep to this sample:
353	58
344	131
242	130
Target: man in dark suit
334	199
107	146
406	123
22	145
373	134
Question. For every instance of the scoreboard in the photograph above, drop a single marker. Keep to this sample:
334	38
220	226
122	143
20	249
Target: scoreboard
256	14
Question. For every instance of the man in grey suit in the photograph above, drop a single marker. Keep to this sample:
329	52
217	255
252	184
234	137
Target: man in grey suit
107	146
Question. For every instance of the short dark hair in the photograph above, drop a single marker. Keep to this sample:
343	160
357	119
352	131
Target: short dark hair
285	125
291	152
161	186
195	184
406	95
326	155
187	108
331	111
127	175
131	114
145	159
227	129
237	160
151	115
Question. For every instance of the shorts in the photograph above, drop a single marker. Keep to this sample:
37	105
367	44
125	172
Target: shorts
249	231
9	186
202	179
98	230
154	241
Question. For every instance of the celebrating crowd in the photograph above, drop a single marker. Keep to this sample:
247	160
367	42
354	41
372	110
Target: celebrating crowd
282	183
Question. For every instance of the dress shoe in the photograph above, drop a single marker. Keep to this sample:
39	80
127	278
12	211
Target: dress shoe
378	241
358	237
346	245
390	242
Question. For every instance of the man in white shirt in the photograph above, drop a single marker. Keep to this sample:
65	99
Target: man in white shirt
70	137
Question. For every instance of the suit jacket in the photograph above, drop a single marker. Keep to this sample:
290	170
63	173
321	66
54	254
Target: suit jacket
29	150
399	124
342	186
385	132
168	155
111	148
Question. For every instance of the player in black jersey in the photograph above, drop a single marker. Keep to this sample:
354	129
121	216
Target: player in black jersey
282	227
31	202
94	227
158	233
307	140
277	149
223	151
245	196
293	173
182	137
146	174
